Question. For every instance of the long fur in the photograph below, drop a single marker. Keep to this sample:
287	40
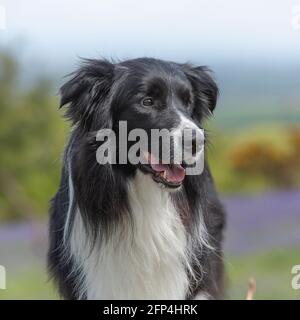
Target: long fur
114	233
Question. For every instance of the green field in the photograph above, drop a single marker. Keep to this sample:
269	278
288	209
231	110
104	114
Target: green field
272	271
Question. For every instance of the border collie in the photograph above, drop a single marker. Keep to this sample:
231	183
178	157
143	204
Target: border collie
135	231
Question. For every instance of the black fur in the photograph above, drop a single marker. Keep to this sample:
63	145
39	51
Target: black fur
101	94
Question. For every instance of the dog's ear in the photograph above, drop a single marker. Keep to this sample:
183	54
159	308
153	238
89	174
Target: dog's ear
86	93
205	90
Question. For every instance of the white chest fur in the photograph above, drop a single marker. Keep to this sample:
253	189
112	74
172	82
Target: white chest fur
146	258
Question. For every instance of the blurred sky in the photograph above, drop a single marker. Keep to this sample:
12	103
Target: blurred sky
174	29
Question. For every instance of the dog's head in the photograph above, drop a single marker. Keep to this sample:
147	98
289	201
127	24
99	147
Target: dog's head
145	94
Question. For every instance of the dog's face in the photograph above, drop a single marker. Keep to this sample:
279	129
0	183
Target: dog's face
147	94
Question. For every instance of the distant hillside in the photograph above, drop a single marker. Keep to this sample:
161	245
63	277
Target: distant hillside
254	95
231	117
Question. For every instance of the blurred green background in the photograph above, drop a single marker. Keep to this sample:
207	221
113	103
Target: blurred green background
254	152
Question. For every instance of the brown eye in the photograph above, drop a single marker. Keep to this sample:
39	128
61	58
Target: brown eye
147	102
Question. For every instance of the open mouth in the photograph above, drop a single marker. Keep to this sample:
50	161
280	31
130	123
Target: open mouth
170	175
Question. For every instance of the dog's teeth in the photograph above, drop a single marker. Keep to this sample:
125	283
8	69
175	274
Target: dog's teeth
165	174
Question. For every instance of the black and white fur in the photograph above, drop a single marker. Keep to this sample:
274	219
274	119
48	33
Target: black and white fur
114	232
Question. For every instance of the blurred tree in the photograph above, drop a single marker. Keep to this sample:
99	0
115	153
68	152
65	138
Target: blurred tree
32	134
294	135
281	166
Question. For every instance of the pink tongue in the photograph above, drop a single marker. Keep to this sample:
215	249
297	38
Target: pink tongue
158	167
174	173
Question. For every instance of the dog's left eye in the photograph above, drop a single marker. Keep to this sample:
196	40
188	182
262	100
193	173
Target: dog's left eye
147	102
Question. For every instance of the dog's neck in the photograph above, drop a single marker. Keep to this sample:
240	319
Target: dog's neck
145	258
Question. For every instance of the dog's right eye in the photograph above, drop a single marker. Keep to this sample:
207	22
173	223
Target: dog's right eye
147	102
